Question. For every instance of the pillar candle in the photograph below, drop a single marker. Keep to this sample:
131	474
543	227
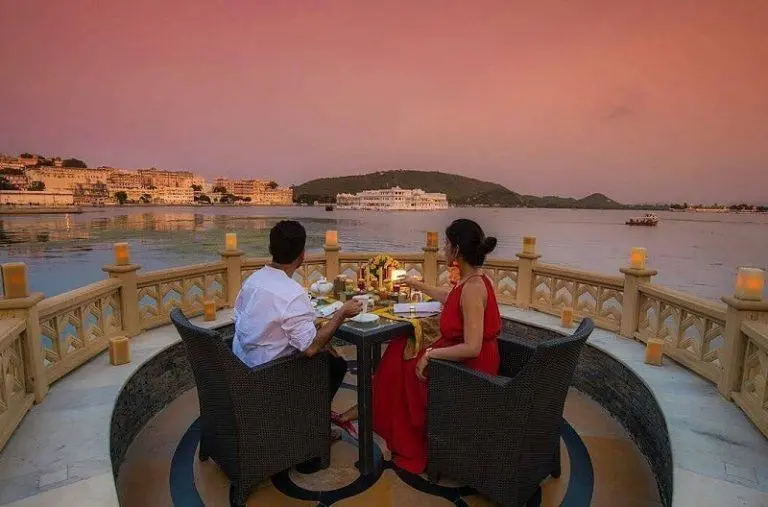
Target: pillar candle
566	319
331	238
15	280
750	283
637	258
431	240
654	351
230	241
122	254
381	278
119	350
529	245
209	310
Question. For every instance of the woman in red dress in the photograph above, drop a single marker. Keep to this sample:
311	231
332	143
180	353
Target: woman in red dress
470	324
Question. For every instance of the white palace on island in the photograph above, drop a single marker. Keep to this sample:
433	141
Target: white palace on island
393	199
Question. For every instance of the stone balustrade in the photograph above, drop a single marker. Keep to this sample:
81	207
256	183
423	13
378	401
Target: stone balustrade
726	344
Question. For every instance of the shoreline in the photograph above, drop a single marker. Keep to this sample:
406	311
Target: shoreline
39	210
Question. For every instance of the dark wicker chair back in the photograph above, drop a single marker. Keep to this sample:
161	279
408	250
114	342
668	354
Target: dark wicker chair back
210	359
549	373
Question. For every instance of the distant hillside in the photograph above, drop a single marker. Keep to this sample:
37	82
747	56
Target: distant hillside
461	191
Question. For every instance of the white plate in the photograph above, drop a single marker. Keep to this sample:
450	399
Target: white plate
365	318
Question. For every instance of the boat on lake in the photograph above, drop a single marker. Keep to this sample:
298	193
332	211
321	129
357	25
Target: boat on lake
649	219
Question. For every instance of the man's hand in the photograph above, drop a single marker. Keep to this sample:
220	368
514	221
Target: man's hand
411	281
350	309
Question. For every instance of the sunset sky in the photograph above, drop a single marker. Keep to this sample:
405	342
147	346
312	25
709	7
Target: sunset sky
644	100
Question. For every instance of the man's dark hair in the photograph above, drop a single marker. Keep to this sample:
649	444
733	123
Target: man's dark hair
286	241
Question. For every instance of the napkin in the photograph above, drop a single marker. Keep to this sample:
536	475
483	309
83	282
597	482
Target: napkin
430	307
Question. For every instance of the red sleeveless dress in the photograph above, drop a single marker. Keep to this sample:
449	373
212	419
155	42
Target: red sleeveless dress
400	398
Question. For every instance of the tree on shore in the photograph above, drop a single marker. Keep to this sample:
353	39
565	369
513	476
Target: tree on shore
26	155
74	162
6	185
197	188
36	186
203	199
219	190
121	197
145	198
272	185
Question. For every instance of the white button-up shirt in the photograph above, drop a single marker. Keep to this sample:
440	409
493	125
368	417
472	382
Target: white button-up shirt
273	318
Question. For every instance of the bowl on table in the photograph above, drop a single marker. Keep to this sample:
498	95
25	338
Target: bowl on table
321	288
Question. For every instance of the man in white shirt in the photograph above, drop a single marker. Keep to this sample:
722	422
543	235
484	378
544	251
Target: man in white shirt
273	313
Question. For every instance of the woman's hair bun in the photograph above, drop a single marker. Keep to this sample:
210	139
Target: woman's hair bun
487	245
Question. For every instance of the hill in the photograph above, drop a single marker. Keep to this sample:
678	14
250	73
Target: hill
461	190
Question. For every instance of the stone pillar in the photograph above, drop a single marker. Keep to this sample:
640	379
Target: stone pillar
332	252
24	306
738	311
431	254
630	305
129	295
525	263
234	261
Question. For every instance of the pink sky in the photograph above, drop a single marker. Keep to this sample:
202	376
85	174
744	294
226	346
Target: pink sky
645	100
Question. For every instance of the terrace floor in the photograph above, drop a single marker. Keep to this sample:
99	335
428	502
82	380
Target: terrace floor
59	455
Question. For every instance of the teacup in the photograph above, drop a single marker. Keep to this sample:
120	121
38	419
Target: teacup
365	300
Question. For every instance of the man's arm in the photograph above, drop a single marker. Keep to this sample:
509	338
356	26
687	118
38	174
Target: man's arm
325	333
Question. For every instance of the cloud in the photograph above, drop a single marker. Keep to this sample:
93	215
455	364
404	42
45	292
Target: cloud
619	112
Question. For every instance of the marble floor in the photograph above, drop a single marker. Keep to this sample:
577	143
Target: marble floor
621	475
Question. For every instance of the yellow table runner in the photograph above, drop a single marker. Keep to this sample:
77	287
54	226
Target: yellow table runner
426	331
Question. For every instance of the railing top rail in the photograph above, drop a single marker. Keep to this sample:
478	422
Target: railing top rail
10	329
500	263
180	272
757	331
251	262
614	282
711	309
73	298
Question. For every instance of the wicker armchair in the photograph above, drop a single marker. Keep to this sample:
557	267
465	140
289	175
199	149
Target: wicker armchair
257	422
500	434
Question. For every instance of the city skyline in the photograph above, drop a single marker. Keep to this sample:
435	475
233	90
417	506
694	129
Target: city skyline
641	101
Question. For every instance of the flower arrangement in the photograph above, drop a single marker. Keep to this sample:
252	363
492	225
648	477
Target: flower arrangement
381	265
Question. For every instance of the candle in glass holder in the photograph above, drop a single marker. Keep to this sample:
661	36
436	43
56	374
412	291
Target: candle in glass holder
119	350
230	241
637	258
529	245
15	280
654	351
566	319
750	283
331	238
209	310
122	254
431	240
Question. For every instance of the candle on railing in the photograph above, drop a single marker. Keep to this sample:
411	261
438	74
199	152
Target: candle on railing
431	240
637	257
209	310
529	245
566	320
230	241
122	254
15	280
750	283
654	351
331	238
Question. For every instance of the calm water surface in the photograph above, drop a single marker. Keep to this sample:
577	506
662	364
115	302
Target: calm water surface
695	252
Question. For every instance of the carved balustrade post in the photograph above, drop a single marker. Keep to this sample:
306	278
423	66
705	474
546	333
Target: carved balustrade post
430	259
233	259
747	304
526	261
634	278
19	303
332	253
126	272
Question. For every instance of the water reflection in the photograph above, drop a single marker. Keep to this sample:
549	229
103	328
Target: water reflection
693	252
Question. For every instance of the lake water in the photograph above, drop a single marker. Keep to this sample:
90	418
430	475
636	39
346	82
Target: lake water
695	252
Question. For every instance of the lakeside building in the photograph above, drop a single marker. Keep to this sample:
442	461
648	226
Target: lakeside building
261	192
393	199
67	179
44	198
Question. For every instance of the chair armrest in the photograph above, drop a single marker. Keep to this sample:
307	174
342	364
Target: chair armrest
514	354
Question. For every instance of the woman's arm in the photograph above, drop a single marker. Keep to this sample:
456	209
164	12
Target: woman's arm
473	301
436	293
